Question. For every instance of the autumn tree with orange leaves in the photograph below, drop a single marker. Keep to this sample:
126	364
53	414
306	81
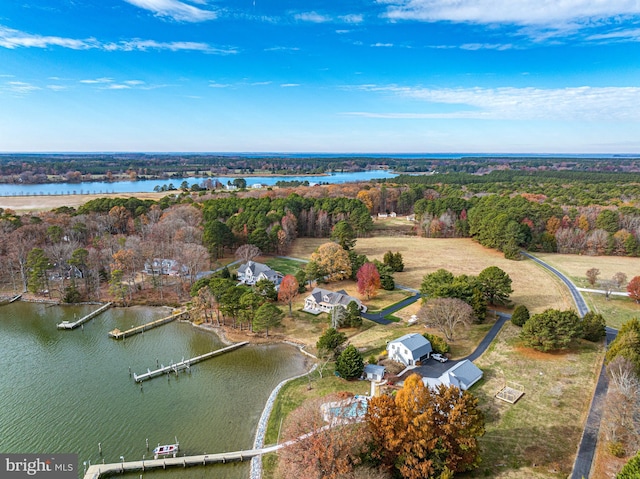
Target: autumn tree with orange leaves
288	291
368	280
426	433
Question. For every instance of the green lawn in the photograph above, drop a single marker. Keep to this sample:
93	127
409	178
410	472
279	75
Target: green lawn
285	266
616	311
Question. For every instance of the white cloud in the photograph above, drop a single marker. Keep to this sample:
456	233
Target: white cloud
282	49
509	103
486	46
315	17
632	35
133	82
56	87
213	84
289	85
116	86
175	9
520	12
93	81
384	45
20	87
10	38
312	17
353	18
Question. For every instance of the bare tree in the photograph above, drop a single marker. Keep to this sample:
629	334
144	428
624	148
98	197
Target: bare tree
592	275
247	252
622	409
446	315
620	279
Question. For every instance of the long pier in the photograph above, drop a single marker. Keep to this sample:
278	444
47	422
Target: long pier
117	334
84	319
96	471
185	363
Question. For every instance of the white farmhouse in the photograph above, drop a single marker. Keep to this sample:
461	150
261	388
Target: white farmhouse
250	273
323	301
409	349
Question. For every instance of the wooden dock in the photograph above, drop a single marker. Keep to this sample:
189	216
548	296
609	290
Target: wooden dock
84	319
10	300
184	364
117	334
96	471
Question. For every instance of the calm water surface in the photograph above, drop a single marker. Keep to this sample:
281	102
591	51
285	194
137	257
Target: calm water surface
67	391
145	186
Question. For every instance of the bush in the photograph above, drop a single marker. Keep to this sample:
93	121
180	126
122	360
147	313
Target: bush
593	327
631	469
438	343
72	295
616	448
551	330
520	315
372	359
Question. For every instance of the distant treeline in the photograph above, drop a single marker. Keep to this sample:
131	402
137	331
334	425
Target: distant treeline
46	168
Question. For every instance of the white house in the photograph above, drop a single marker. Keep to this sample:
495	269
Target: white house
250	273
409	349
373	372
323	301
463	375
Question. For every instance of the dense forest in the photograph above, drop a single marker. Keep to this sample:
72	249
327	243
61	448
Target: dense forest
47	168
76	253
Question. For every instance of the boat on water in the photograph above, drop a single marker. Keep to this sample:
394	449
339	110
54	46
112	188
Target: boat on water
166	450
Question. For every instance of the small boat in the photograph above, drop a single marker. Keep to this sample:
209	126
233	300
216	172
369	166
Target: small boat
166	450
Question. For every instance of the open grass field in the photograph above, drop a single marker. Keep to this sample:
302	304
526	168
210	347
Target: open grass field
284	266
23	204
618	309
537	436
575	266
533	286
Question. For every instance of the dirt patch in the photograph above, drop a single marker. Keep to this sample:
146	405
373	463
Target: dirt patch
541	356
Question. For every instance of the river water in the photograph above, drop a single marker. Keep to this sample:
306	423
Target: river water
67	391
146	186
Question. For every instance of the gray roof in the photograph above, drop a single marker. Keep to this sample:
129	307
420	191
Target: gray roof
334	298
257	268
466	372
373	369
416	343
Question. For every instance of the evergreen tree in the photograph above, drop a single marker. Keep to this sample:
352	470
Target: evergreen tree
330	343
593	327
353	318
551	330
520	315
267	316
350	364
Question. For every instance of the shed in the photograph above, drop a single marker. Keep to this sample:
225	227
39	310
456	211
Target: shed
373	372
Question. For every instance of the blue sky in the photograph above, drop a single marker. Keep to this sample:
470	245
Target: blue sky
413	76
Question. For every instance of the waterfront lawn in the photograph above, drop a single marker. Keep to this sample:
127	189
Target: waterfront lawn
537	436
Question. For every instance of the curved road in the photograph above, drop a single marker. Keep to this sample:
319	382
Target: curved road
589	440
